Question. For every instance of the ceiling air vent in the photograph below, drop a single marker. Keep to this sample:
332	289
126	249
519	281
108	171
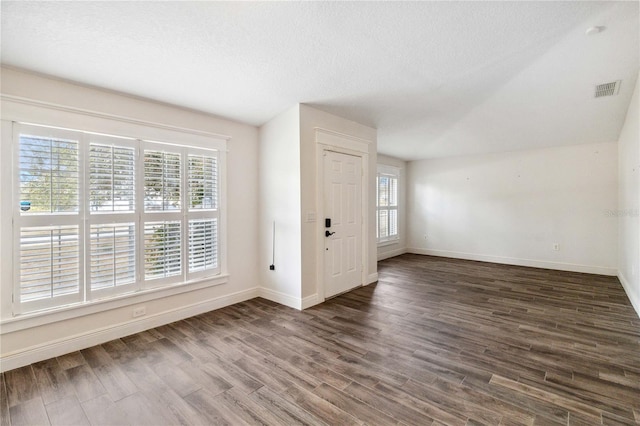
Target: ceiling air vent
608	89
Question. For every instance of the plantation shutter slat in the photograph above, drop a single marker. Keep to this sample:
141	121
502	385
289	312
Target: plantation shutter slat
49	262
393	192
112	255
203	182
203	244
162	177
112	178
393	222
162	249
384	223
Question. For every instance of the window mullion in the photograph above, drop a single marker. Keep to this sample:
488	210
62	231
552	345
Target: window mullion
140	214
388	207
51	175
185	204
84	194
113	178
378	206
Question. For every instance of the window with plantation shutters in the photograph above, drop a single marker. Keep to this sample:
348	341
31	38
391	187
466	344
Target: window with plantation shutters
180	240
387	204
98	216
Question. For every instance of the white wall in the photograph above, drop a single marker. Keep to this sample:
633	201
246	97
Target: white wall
279	195
512	207
629	202
22	343
310	120
395	248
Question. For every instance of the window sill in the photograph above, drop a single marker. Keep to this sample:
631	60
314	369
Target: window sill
389	242
35	319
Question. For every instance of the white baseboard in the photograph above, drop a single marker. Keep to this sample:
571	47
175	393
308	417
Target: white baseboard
95	337
281	298
392	253
560	266
310	301
634	296
372	278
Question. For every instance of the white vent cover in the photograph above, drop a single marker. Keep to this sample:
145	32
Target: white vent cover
607	89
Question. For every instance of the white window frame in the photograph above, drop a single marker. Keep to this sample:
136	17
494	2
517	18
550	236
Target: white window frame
393	173
61	120
152	216
45	219
200	214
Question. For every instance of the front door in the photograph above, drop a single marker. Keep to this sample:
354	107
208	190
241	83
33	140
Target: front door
343	206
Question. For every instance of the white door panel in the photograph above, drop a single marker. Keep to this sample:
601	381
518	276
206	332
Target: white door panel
343	205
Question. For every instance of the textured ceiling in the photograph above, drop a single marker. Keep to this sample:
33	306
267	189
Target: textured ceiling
435	78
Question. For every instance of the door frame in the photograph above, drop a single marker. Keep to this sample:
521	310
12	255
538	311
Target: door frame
328	140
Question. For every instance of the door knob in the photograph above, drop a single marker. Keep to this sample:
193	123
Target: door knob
328	233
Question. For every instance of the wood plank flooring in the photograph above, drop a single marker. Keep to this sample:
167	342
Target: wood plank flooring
435	341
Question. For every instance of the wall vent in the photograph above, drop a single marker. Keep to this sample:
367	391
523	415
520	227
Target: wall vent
608	89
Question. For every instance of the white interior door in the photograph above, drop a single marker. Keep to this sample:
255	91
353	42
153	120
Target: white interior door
343	206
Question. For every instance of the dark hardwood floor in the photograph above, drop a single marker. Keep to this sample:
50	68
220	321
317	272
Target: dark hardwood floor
435	341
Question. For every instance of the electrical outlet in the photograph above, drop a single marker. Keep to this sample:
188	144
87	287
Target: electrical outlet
139	311
556	246
425	236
